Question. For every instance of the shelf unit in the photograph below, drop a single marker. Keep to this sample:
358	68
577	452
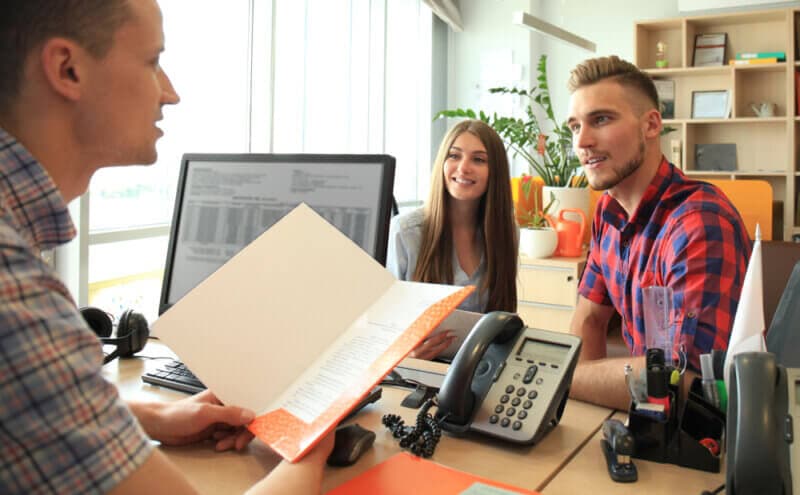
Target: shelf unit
766	148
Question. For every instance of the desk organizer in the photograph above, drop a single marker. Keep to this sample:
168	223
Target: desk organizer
675	441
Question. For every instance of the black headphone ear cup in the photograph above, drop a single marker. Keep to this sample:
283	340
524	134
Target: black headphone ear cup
132	333
98	320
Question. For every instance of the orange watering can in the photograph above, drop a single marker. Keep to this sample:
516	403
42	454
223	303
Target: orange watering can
570	233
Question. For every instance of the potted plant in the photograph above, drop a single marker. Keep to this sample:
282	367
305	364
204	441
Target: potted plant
537	236
546	145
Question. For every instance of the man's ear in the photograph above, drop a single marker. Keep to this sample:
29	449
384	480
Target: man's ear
651	123
62	63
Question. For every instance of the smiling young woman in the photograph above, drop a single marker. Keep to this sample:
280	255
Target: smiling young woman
465	234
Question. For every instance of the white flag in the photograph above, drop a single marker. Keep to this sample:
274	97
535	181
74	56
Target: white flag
747	334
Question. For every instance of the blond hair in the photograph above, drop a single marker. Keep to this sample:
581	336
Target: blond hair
613	68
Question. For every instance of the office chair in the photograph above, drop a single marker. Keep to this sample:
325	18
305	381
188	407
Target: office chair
753	199
783	337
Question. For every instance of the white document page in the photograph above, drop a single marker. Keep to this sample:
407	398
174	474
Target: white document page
349	358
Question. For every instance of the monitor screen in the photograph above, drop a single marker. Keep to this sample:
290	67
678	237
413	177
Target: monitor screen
224	202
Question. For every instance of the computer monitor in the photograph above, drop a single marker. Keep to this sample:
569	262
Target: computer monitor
225	201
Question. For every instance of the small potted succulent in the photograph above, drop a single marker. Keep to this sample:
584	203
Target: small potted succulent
537	235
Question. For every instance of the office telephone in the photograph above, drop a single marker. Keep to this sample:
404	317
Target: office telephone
762	409
508	381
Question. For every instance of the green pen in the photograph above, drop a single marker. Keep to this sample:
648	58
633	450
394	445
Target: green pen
723	396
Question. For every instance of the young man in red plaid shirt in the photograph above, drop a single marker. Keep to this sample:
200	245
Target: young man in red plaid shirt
653	227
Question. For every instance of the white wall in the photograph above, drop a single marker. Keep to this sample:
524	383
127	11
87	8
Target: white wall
609	24
488	29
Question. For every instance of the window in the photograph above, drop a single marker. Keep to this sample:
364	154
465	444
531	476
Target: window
316	76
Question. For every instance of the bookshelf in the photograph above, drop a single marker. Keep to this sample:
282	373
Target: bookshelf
766	147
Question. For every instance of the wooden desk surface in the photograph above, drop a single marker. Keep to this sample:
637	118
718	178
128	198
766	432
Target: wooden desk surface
588	469
233	472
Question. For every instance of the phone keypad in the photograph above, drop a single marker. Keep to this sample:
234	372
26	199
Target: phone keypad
511	412
516	401
512	408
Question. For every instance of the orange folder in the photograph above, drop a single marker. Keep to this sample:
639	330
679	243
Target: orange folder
293	438
404	473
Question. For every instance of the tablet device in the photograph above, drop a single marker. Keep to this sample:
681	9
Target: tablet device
459	323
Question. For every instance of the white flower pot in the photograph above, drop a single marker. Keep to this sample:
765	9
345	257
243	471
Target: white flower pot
567	197
537	243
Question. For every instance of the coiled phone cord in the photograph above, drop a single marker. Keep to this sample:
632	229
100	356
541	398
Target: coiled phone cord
420	439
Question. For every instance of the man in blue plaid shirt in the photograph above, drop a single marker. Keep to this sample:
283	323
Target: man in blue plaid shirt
81	88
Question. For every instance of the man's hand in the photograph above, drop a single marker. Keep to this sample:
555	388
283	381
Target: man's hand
195	419
433	345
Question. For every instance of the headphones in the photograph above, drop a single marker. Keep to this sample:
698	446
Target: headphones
132	331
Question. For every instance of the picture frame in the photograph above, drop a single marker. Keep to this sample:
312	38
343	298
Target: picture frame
666	97
709	49
710	104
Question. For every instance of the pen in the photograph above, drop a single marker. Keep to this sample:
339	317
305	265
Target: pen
709	384
722	393
629	382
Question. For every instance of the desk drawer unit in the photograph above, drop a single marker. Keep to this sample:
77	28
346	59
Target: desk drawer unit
547	291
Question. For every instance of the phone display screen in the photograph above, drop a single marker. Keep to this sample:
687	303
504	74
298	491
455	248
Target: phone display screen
540	350
797	393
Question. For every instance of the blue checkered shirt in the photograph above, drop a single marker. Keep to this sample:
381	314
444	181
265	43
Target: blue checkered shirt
63	428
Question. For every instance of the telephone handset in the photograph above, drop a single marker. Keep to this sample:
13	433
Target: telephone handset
508	381
759	427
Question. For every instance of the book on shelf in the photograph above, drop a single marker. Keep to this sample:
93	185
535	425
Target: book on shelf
273	331
797	99
754	61
666	98
780	56
403	473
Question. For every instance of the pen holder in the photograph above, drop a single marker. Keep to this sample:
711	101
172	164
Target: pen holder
677	441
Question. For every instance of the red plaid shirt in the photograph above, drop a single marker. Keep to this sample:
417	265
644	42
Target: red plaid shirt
686	235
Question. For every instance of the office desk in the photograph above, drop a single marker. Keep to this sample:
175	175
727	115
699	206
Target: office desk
231	472
588	469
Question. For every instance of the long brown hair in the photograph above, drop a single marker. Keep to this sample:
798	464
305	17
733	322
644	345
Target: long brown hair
495	218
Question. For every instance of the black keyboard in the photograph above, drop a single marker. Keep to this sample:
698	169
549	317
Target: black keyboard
174	375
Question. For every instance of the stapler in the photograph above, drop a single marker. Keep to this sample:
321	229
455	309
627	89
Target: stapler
617	445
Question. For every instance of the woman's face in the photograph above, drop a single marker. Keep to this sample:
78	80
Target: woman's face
466	168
